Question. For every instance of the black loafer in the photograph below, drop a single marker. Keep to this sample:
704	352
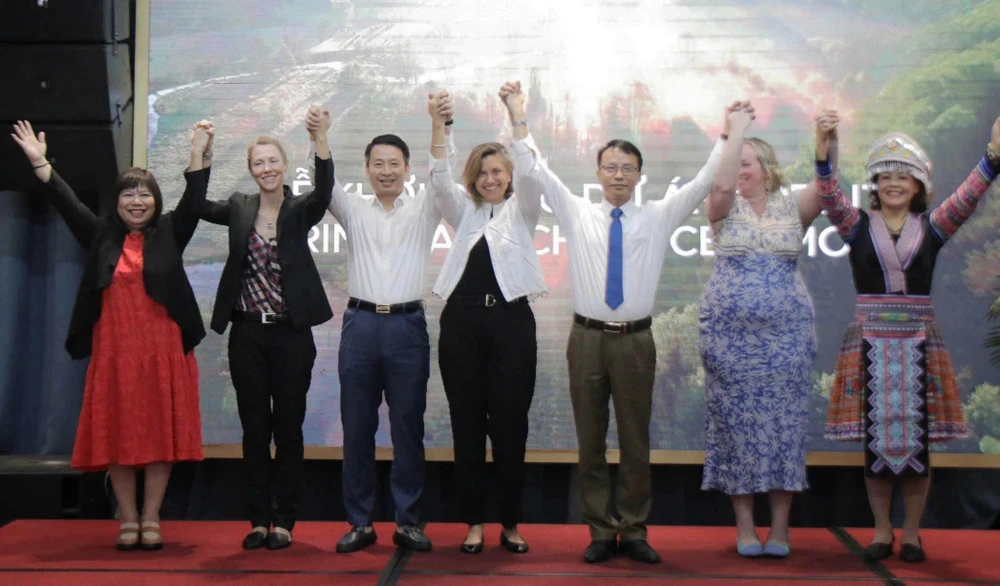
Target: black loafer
639	551
276	541
600	550
877	550
255	540
912	553
356	539
472	547
511	546
412	538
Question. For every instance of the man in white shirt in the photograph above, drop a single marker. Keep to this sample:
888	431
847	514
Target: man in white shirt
384	345
616	251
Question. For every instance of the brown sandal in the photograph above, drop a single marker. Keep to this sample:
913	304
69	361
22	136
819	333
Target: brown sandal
128	536
152	540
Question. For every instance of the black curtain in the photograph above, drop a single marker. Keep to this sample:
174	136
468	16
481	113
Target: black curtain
40	386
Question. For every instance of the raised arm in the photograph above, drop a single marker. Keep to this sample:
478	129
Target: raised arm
529	202
185	216
316	202
532	176
838	208
448	196
808	198
723	194
81	221
948	217
677	206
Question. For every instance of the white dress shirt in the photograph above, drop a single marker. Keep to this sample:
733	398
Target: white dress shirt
509	228
387	252
646	232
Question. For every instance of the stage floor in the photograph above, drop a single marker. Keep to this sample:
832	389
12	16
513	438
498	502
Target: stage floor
205	552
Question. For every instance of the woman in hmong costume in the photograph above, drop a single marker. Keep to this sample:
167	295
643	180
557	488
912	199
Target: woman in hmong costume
894	387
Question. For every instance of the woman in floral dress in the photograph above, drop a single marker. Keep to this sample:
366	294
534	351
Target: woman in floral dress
757	342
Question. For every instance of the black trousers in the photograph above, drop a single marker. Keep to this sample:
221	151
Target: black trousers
488	357
271	367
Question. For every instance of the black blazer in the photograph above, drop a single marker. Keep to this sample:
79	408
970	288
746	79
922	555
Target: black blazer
305	299
163	272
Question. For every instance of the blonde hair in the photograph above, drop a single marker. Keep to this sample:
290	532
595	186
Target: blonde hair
265	140
474	166
774	179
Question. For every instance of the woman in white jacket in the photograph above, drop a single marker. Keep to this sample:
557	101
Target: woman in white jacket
487	349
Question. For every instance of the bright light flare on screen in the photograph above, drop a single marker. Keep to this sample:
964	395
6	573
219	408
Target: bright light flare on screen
689	59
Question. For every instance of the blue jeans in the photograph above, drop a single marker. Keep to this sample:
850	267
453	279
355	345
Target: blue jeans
390	353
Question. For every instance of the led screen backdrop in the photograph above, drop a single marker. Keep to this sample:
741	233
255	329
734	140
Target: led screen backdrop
655	72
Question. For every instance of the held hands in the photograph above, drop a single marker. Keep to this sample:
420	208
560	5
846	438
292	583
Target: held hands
34	147
439	106
202	134
826	132
512	97
317	122
739	115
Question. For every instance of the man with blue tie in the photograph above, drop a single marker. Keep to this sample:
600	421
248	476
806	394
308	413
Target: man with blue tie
616	251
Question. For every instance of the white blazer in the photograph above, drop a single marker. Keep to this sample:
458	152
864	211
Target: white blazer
509	233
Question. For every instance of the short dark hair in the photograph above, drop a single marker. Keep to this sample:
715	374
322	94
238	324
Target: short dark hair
132	178
390	140
622	145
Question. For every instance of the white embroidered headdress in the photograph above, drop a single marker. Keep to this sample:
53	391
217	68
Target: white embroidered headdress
898	152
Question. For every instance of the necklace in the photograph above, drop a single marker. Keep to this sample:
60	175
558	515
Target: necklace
898	230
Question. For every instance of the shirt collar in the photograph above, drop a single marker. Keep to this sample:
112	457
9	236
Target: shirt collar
628	208
395	204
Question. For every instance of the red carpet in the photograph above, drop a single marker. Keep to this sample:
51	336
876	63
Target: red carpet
199	553
966	555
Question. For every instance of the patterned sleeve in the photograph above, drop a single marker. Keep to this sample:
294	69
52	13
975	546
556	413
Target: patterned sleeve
838	208
948	217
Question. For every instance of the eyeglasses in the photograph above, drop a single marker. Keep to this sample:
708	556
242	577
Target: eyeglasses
627	170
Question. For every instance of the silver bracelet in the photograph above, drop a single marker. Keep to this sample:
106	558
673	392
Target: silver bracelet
519	123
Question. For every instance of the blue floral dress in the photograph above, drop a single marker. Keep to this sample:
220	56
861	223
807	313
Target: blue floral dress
757	342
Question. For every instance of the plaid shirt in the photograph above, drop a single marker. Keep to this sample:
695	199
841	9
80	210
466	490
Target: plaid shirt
260	290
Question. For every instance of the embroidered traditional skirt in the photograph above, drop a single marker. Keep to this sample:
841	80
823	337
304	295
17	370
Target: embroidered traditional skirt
894	387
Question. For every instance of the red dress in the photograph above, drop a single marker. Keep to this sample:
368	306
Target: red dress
140	402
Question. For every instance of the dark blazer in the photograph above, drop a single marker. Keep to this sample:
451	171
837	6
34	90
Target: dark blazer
302	290
162	271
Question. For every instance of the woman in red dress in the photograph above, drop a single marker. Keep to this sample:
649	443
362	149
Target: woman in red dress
137	318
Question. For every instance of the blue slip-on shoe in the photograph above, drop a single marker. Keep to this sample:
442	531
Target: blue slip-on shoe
776	550
750	550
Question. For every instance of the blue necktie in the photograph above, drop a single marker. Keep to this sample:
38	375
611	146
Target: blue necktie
613	293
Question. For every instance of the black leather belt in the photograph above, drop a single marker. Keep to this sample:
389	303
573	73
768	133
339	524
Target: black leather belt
263	318
614	327
407	307
483	300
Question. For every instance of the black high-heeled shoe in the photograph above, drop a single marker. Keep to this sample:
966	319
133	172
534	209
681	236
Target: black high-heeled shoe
511	546
472	547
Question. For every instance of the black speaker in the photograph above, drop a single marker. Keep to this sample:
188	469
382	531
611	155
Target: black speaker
88	156
65	21
65	83
69	73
